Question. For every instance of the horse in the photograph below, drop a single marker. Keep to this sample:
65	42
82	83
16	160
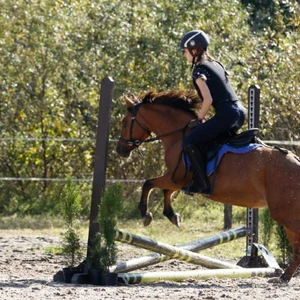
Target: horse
264	177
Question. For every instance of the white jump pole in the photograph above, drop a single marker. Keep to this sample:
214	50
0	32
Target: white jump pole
194	246
172	251
151	277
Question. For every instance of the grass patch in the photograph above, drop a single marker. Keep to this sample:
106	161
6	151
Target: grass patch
54	250
38	222
200	218
191	230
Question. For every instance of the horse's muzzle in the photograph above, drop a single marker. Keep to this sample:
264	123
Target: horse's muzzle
123	151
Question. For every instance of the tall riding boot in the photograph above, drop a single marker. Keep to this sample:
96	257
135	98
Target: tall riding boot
200	182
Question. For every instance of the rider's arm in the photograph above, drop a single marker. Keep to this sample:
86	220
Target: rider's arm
207	98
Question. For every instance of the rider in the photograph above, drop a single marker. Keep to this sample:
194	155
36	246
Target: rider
211	82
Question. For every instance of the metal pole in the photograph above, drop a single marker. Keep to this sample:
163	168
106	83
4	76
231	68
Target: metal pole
252	213
150	277
172	251
100	155
194	246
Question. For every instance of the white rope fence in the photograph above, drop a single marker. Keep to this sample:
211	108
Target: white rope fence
29	139
65	179
289	143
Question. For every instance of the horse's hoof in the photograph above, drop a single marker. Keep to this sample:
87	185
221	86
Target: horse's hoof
147	219
176	220
278	281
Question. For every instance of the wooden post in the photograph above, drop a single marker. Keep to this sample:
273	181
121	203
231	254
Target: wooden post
100	155
227	216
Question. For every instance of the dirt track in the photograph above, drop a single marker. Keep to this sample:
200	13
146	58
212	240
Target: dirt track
27	273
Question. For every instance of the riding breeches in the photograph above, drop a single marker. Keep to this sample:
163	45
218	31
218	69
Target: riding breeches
229	116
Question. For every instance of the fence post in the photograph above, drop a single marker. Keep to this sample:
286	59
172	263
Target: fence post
252	213
100	161
227	216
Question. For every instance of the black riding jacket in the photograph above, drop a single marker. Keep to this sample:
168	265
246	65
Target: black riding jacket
216	80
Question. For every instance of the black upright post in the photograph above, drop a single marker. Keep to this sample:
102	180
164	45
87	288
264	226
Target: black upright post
252	213
100	155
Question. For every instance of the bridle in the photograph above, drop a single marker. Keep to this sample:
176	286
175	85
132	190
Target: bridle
131	141
137	143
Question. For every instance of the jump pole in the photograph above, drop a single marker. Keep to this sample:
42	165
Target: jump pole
195	246
151	277
172	251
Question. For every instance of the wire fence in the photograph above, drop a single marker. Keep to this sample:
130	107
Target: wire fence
65	179
28	139
31	139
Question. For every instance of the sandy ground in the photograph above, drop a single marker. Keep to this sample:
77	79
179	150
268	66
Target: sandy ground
27	273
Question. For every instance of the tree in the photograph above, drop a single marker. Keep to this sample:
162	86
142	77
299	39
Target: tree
54	53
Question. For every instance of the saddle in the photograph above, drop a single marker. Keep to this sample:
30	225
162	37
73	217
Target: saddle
210	149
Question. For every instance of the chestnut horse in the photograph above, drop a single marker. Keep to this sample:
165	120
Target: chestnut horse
265	177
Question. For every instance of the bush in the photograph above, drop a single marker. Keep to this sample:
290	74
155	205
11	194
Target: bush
71	209
103	251
271	228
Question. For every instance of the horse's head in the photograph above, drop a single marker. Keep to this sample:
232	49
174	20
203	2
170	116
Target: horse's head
169	109
133	131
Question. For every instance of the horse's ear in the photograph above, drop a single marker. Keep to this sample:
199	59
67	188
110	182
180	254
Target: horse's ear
129	102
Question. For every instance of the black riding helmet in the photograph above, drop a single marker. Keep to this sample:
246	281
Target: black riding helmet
194	39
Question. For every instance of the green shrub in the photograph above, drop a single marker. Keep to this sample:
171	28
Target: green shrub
71	208
103	251
271	228
267	225
283	244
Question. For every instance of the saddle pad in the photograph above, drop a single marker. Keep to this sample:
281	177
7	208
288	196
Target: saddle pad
226	148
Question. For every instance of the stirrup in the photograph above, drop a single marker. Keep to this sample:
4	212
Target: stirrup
192	190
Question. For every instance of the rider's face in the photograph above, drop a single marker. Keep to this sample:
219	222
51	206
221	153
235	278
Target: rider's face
187	55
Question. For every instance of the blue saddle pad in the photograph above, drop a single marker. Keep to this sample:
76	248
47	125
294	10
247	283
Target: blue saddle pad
224	149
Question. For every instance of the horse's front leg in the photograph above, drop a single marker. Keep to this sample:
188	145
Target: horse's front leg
163	182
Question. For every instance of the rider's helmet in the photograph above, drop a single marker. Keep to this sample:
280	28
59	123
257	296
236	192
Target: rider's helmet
194	40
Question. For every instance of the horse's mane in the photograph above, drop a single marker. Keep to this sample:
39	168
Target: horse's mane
184	100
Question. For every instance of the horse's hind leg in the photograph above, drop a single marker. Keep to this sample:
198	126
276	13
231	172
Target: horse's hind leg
143	206
168	210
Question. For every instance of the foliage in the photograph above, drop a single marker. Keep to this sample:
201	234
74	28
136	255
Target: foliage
103	251
268	13
267	225
53	55
283	244
71	209
71	247
271	228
